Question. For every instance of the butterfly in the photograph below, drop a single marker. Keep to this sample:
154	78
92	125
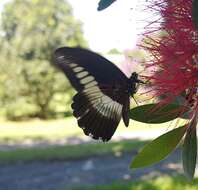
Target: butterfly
103	90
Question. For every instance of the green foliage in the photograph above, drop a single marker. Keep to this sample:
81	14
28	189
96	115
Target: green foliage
160	183
155	113
189	151
30	31
195	12
114	51
159	148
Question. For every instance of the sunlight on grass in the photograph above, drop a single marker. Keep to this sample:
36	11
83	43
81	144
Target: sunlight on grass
38	129
65	128
160	183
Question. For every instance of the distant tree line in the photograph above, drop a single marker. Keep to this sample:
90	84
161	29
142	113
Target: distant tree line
30	30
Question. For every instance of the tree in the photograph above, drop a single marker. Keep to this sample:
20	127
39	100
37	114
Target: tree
114	51
30	31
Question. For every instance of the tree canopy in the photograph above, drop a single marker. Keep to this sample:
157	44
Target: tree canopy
30	30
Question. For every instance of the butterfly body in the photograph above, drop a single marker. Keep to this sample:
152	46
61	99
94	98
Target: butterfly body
103	91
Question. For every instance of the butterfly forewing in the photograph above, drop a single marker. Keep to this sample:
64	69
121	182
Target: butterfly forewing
82	67
102	97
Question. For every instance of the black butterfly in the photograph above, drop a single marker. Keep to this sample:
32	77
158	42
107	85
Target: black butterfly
103	91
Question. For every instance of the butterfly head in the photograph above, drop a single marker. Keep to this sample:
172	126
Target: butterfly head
133	82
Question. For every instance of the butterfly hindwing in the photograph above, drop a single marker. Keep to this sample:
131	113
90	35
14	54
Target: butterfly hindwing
100	115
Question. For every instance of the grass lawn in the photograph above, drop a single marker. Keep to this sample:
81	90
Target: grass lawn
38	130
16	132
68	152
160	183
50	130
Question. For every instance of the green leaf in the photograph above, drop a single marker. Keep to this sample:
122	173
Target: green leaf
103	4
159	148
195	12
189	151
155	113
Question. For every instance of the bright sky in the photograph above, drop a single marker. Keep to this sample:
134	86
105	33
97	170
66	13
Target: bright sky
114	27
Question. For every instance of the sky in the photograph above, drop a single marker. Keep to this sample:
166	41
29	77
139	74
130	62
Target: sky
115	27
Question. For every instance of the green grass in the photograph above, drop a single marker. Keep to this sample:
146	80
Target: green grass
38	130
160	183
69	152
51	130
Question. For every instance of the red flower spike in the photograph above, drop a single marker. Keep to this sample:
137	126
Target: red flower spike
173	65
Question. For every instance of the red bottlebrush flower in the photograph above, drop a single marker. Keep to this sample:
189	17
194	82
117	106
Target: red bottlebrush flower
174	55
